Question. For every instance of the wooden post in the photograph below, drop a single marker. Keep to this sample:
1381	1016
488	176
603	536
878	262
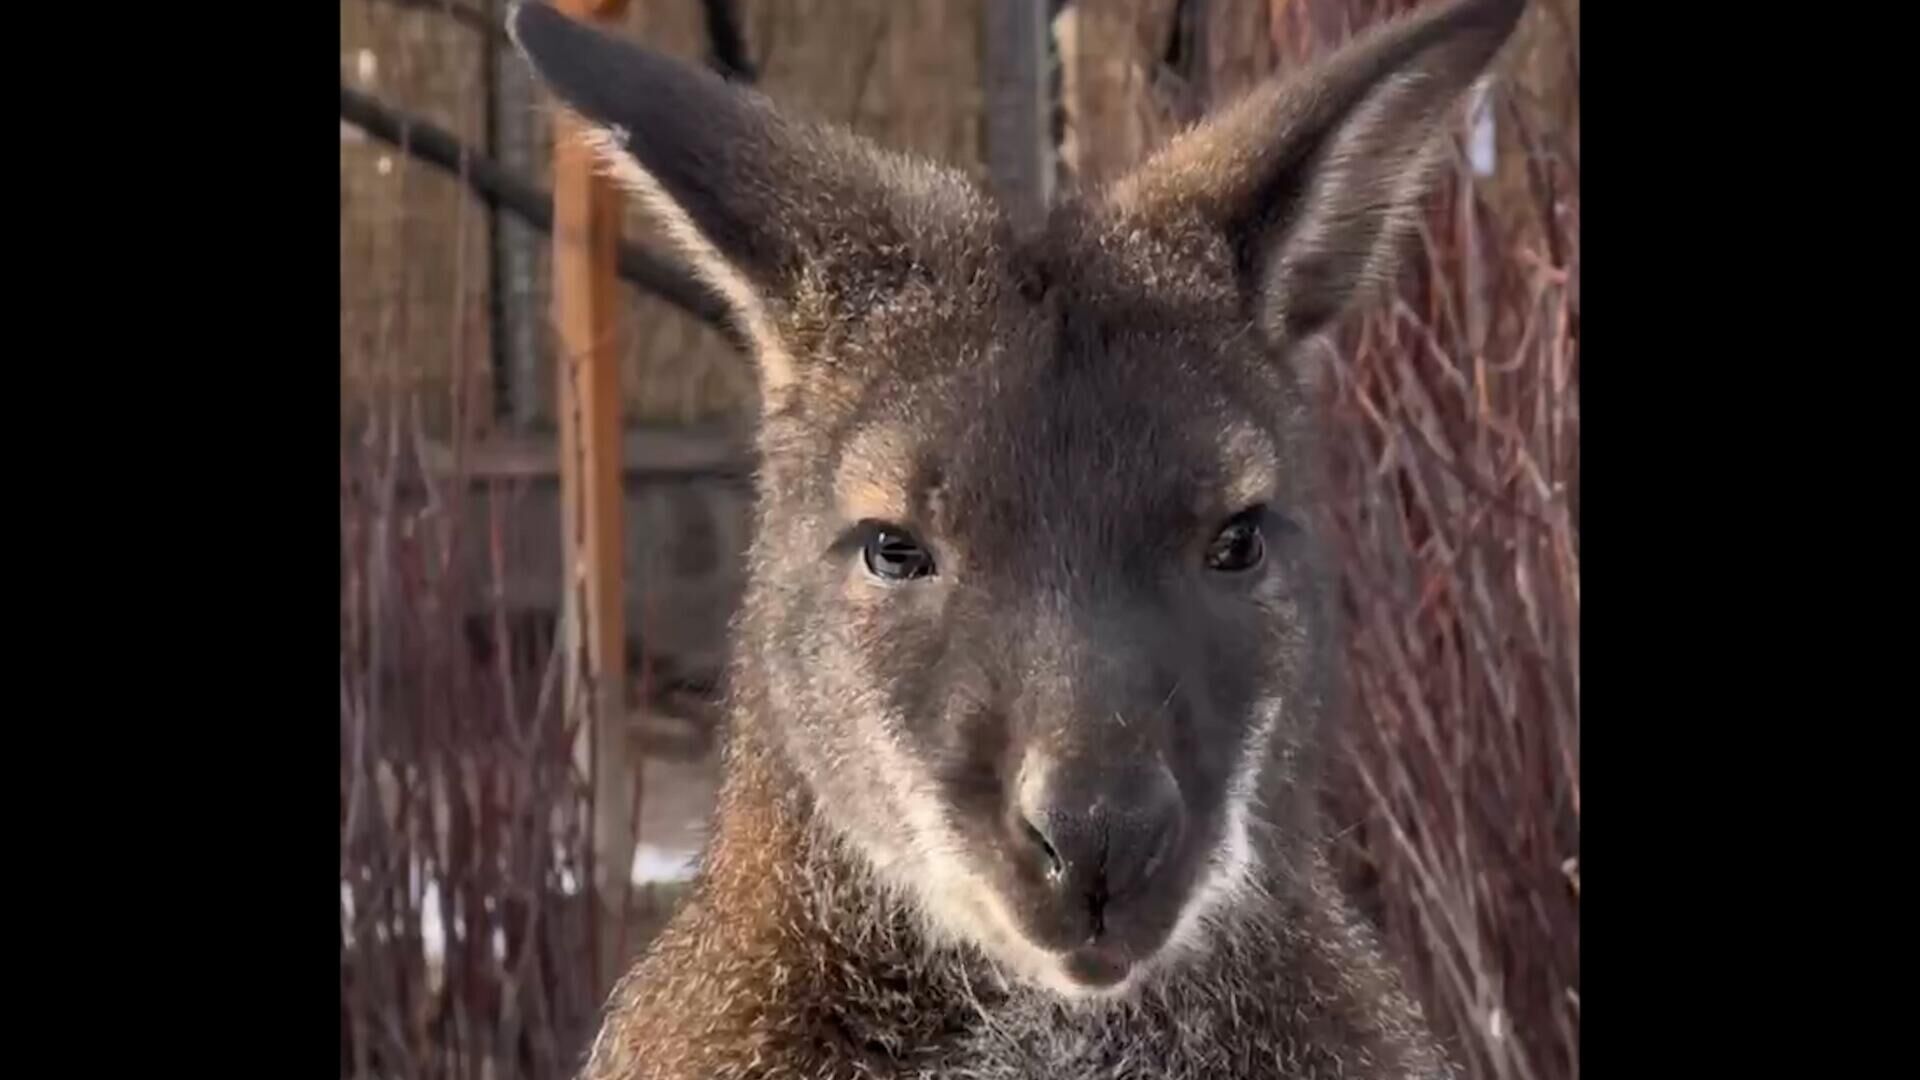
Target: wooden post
586	233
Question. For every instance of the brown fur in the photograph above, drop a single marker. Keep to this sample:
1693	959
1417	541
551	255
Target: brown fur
791	963
1044	809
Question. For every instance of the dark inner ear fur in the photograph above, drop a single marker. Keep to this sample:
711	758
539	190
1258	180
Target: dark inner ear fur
1313	181
714	149
792	221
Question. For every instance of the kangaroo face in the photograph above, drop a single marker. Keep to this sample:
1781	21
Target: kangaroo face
1038	620
1032	592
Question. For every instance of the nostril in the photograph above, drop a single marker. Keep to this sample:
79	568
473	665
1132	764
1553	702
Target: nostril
1055	866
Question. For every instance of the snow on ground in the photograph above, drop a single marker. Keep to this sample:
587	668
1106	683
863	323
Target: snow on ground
652	864
674	807
657	864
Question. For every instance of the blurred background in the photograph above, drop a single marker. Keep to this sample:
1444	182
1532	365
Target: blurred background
543	506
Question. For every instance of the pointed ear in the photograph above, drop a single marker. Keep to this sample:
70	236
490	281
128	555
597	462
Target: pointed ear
1314	181
770	210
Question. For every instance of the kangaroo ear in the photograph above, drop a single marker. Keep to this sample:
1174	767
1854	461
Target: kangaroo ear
1314	181
769	210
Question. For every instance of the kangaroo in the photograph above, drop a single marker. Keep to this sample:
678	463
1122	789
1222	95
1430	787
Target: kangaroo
1027	687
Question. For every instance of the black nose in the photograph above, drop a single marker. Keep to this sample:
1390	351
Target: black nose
1101	834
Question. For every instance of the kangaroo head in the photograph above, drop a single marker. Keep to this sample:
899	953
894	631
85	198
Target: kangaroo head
1033	604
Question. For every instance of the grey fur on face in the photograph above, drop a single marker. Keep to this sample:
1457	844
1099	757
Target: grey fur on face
1031	670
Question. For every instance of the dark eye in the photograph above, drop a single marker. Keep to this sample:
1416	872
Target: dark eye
894	555
1239	546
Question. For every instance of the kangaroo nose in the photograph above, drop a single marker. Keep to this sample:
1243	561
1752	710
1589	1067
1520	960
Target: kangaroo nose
1101	833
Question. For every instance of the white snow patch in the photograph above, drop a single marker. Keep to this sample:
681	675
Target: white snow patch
652	863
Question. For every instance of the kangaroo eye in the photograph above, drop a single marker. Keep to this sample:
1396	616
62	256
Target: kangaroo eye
892	554
1239	546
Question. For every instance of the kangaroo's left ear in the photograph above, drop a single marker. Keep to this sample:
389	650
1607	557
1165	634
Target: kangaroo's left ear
1314	180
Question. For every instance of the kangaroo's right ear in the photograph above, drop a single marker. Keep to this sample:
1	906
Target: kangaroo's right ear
1314	180
770	210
